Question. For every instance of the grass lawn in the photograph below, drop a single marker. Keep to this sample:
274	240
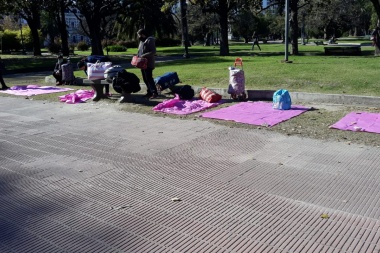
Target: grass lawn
311	71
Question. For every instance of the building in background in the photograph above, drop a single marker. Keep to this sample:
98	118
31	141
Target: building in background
74	29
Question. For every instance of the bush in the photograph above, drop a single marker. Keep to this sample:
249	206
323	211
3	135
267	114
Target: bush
116	48
10	40
82	46
54	48
130	44
167	42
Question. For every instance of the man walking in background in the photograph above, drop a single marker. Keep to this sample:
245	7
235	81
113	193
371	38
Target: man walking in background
255	39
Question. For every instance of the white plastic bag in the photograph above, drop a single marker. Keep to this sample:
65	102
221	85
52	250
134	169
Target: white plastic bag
95	71
237	81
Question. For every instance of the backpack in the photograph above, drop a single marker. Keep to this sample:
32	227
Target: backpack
184	92
282	100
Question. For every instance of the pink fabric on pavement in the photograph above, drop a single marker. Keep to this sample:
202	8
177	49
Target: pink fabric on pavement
255	113
32	90
359	122
183	107
79	96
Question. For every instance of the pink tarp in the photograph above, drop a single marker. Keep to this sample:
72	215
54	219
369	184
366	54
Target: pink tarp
359	122
182	107
79	96
255	113
32	90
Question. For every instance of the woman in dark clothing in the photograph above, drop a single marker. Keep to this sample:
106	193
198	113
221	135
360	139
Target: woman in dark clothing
147	49
57	73
2	68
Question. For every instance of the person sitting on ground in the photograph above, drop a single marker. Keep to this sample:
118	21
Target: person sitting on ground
57	73
2	68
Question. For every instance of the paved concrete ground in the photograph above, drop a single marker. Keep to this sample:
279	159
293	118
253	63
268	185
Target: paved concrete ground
91	178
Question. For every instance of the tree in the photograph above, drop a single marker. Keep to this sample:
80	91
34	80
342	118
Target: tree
156	16
222	8
376	6
31	12
55	22
97	14
201	26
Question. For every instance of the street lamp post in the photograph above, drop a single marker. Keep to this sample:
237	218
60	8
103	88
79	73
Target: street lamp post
22	39
185	35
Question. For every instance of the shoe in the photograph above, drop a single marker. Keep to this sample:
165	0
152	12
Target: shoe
154	95
4	88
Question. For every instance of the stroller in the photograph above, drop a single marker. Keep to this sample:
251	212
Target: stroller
236	87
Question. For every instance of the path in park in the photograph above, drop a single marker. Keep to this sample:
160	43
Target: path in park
92	178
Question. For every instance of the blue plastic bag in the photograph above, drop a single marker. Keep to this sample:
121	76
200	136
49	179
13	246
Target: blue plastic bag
282	100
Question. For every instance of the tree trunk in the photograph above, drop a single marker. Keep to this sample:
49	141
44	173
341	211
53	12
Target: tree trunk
207	41
63	30
223	19
294	26
36	39
96	41
376	5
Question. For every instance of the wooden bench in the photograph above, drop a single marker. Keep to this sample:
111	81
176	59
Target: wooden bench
98	87
319	42
343	50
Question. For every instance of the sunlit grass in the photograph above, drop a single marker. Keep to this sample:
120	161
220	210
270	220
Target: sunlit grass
311	71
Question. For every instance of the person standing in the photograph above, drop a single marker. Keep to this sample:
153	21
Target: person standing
147	50
57	73
255	39
376	39
2	69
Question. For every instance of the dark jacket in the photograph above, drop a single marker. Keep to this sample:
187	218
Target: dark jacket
147	49
2	67
58	66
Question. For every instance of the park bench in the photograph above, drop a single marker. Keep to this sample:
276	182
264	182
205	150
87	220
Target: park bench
343	50
98	87
319	42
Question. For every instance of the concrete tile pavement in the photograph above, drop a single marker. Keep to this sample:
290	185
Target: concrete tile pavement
71	181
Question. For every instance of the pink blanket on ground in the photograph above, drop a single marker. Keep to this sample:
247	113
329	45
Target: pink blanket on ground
183	107
359	122
32	90
255	113
79	96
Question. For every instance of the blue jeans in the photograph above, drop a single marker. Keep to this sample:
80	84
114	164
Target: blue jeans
147	75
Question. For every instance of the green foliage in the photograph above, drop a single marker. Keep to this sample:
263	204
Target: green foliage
10	41
167	42
82	46
115	48
54	48
27	37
